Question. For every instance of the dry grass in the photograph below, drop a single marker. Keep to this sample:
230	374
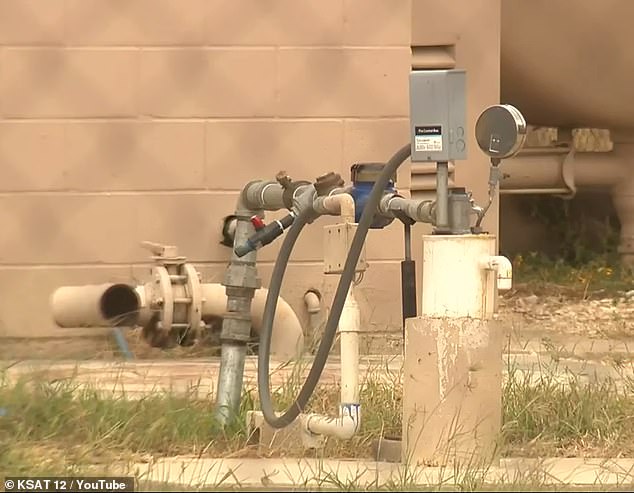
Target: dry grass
51	427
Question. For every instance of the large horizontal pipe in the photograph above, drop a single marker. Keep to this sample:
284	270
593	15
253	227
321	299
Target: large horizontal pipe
287	340
534	172
109	305
96	305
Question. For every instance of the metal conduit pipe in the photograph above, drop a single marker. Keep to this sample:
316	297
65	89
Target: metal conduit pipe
288	340
241	282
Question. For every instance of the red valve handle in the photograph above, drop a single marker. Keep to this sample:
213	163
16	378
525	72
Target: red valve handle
257	222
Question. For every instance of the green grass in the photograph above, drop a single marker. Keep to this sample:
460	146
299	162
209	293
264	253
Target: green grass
603	275
546	418
51	427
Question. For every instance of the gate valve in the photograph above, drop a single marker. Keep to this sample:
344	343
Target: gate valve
257	222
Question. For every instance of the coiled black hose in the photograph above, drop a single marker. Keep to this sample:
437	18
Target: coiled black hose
330	330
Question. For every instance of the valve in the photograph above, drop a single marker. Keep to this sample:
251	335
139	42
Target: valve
257	222
265	234
174	298
363	176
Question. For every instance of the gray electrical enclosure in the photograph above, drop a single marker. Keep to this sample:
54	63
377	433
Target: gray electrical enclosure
438	107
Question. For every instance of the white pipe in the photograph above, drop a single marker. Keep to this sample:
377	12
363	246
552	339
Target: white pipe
312	302
341	204
343	428
504	269
349	326
287	339
349	420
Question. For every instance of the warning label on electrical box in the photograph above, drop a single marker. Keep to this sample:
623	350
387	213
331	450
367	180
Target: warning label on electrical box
428	139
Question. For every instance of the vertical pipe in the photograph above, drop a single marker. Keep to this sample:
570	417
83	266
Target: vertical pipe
349	326
408	280
230	379
122	343
241	282
442	196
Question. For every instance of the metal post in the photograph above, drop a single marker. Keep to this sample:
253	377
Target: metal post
442	197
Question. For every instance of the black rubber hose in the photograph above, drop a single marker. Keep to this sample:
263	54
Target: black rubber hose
330	330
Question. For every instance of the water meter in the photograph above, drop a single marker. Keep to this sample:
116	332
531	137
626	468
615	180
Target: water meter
363	177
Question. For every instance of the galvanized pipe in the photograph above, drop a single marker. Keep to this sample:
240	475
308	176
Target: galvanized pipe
241	282
442	196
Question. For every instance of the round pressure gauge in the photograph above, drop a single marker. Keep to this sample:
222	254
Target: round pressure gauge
501	131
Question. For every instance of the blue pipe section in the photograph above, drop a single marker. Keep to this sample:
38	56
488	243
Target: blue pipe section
360	193
122	343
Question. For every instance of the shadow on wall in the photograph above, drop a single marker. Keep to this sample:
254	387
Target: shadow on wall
574	230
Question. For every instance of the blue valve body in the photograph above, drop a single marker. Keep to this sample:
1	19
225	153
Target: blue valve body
360	193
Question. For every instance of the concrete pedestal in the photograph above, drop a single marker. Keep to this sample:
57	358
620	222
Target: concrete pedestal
452	395
452	384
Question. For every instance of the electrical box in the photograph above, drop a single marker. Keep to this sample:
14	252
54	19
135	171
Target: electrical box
337	241
438	107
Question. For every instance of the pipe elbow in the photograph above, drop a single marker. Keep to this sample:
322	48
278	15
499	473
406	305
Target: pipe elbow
343	428
504	269
341	204
312	300
287	339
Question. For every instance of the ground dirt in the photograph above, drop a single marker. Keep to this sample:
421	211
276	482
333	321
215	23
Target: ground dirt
557	317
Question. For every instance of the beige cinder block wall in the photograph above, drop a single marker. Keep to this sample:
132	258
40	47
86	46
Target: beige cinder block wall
132	120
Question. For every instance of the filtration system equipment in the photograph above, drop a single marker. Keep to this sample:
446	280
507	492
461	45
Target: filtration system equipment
451	348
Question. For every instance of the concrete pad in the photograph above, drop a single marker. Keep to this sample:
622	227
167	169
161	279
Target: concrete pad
357	474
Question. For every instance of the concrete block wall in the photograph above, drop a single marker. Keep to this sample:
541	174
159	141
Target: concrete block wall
131	120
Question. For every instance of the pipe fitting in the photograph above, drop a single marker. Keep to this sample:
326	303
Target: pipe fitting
504	269
344	427
341	204
423	211
261	195
312	300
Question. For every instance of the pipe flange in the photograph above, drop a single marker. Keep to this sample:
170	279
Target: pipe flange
164	283
194	291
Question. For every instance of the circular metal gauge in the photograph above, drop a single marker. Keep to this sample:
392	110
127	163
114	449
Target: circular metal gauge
500	131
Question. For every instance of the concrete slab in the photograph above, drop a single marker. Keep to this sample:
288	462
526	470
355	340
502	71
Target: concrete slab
362	474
